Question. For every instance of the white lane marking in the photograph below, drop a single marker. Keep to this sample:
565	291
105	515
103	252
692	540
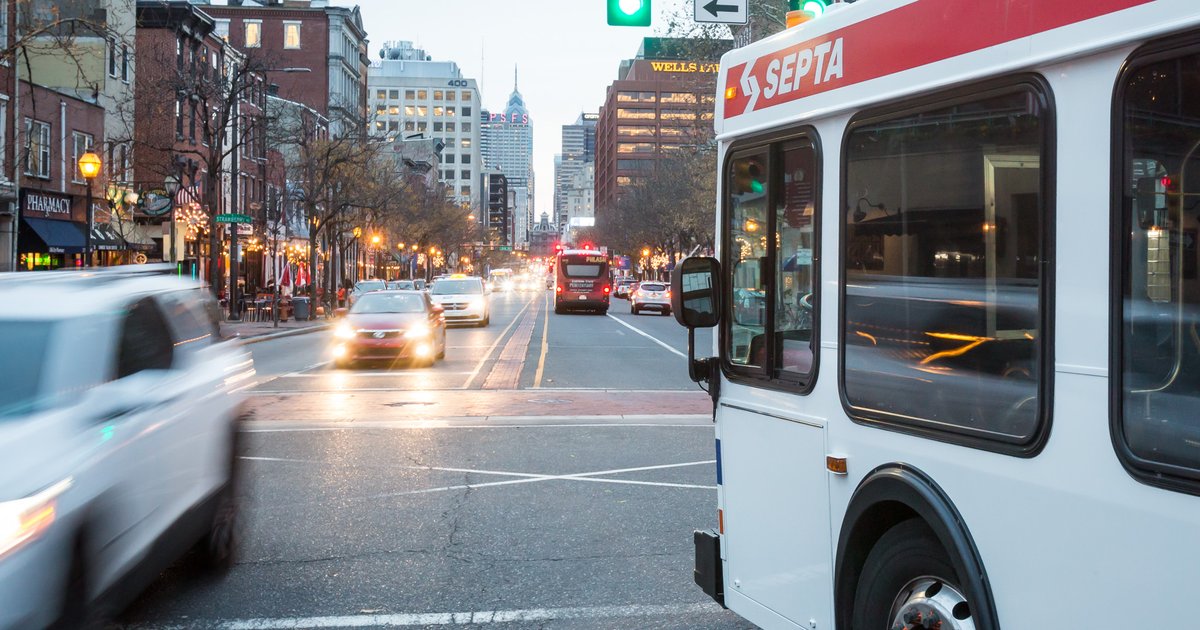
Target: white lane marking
403	620
523	477
492	348
646	335
424	426
370	374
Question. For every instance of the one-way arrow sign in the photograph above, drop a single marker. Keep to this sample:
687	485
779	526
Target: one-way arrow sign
721	11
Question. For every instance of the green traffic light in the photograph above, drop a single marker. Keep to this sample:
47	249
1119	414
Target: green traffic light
628	12
815	7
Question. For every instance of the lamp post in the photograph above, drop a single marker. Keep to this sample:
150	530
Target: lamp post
89	167
375	254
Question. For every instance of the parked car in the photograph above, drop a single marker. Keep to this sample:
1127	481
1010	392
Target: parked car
391	325
464	298
650	296
119	431
624	287
406	285
363	287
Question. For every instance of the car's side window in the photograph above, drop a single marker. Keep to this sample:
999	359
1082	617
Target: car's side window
191	325
145	342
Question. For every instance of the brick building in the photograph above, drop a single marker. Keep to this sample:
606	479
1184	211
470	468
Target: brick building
663	102
319	52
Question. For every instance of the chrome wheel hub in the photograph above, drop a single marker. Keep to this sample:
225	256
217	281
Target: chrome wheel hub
929	603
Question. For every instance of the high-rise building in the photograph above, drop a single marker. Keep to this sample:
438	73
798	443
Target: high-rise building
318	51
578	149
412	96
508	147
662	103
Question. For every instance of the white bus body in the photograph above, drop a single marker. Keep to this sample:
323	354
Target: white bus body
1038	501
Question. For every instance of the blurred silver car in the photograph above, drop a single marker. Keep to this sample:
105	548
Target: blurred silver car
119	419
650	296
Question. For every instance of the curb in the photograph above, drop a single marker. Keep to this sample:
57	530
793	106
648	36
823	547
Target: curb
279	335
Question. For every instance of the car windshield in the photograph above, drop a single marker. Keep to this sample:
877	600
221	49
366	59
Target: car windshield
20	376
653	287
402	284
457	287
389	303
370	285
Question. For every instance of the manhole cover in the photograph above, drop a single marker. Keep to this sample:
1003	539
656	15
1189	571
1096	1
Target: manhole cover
405	404
550	401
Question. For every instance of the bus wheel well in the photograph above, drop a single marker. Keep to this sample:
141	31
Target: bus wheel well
888	496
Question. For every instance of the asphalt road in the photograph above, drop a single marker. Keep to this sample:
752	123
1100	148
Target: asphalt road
547	474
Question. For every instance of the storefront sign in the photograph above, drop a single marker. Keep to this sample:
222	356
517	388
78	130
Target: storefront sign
37	204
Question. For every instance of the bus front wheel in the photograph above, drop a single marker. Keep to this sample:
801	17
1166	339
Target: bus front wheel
908	579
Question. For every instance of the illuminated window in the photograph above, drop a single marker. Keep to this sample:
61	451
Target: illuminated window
410	111
685	98
394	110
437	95
450	126
291	35
380	95
410	94
438	110
450	95
678	114
253	33
422	110
635	114
629	130
671	132
635	147
422	94
450	111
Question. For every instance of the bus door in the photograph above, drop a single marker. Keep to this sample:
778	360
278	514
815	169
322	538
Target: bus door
776	540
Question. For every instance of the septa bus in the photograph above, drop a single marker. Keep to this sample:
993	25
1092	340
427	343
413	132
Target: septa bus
581	281
957	299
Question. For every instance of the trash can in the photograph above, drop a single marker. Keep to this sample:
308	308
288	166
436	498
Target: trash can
300	308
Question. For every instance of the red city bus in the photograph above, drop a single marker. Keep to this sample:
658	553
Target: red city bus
581	281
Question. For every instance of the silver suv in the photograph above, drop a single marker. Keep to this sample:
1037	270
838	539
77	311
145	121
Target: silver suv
119	418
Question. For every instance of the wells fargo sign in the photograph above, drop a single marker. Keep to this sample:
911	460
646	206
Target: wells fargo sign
684	66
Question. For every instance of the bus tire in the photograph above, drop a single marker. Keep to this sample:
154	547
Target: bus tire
908	573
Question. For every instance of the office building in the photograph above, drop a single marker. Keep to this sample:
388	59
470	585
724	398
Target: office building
508	147
413	97
662	103
578	150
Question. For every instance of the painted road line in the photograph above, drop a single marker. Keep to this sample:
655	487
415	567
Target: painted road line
541	367
488	354
408	620
646	335
506	371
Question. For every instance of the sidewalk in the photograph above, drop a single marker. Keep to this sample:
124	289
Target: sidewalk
254	332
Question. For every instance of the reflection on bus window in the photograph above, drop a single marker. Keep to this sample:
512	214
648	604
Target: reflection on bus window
1161	314
794	260
943	239
747	244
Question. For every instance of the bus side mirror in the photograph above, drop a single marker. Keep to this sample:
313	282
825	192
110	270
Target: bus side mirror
696	303
696	292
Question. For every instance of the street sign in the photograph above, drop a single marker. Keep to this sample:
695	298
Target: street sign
233	218
505	248
721	11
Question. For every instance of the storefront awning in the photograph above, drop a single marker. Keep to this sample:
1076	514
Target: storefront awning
58	237
141	237
106	239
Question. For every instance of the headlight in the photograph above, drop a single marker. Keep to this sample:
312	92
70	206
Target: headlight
476	302
344	331
417	330
24	520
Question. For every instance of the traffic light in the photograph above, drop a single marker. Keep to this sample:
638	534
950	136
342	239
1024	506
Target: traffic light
628	12
801	11
747	177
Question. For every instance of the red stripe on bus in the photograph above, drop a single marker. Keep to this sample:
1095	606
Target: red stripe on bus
888	43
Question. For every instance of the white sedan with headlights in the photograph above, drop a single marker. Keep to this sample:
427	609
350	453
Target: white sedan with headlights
119	425
463	299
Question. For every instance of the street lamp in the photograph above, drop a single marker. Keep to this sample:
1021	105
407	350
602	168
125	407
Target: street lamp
172	183
89	167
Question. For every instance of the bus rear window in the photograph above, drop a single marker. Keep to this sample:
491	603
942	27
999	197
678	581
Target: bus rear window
1159	416
945	233
583	271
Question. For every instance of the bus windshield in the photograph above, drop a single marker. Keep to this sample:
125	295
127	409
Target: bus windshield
583	266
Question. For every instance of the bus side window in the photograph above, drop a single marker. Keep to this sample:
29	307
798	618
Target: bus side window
1160	310
747	247
944	294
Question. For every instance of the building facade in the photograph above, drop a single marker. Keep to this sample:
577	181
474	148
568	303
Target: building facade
508	147
662	103
578	151
317	53
412	97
